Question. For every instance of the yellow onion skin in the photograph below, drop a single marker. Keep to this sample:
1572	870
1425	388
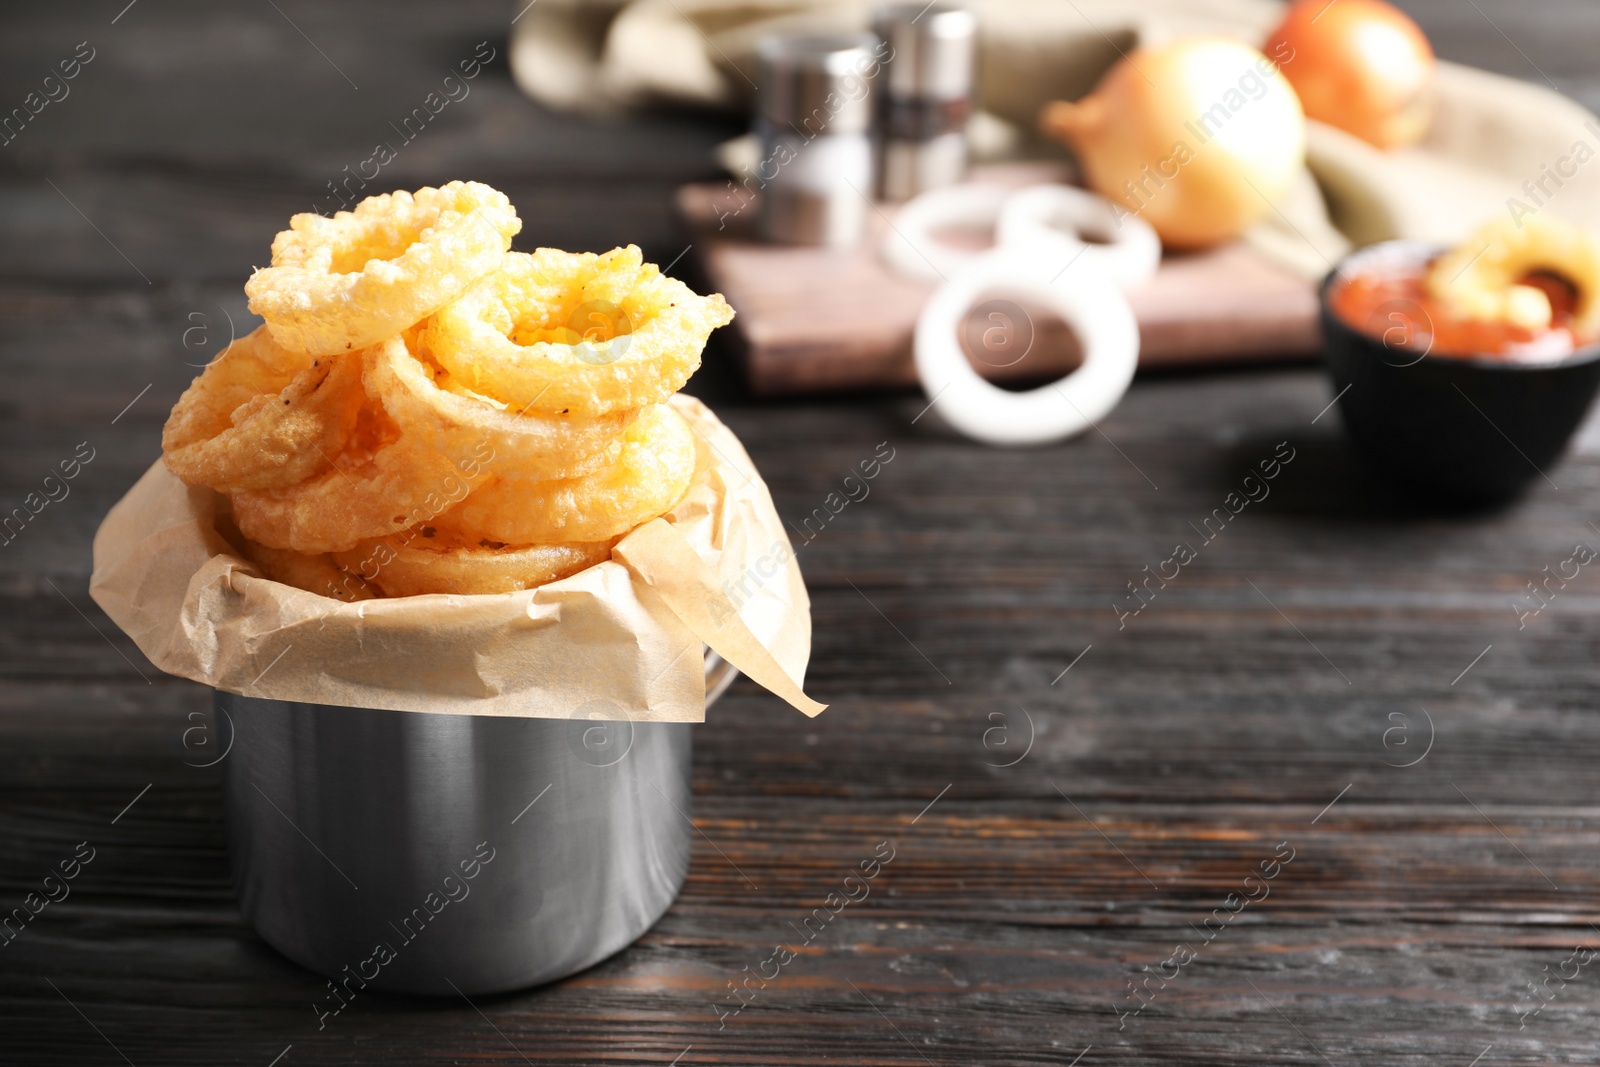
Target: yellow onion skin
1198	136
1361	65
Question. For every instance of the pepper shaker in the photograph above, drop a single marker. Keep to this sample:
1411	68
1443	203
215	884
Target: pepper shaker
814	117
924	96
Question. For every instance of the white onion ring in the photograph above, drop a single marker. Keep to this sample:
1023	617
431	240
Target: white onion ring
1122	247
912	250
1096	311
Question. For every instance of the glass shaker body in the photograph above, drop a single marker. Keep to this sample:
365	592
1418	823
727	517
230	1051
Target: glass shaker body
814	122
924	96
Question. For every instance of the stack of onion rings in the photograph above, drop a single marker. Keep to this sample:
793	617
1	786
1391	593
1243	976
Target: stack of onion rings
426	412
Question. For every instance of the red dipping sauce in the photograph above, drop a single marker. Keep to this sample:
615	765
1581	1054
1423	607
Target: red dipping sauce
1393	305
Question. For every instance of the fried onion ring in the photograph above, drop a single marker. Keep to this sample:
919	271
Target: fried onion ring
352	280
652	473
431	560
315	573
383	481
468	427
1481	278
261	417
576	334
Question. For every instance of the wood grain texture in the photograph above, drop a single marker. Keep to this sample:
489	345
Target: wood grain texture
1169	761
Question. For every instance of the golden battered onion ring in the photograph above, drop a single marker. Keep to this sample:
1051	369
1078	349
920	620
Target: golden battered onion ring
577	334
315	573
352	280
432	560
1479	279
261	417
383	481
652	474
476	429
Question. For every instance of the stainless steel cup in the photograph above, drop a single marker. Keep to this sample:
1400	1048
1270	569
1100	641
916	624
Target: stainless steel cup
426	853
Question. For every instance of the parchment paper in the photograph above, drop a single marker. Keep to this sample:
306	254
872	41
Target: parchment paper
621	640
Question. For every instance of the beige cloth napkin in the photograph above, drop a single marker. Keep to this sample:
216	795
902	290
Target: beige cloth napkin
1491	135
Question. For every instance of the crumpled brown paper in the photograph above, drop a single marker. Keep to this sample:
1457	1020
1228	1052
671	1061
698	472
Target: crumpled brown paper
621	640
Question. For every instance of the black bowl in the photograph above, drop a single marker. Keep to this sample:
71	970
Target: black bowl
1472	429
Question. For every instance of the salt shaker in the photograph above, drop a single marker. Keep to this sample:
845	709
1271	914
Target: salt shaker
814	117
924	96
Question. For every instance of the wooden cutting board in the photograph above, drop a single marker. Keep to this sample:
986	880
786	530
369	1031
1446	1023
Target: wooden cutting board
814	319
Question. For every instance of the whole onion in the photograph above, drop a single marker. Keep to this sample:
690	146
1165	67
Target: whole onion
1360	65
1198	136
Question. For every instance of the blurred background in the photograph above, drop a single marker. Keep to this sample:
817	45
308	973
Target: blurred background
193	134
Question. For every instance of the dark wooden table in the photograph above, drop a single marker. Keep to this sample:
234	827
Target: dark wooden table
1056	832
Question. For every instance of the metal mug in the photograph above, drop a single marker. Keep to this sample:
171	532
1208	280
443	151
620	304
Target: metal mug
445	854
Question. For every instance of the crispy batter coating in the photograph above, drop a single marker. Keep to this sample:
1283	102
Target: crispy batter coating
261	417
579	334
382	482
468	427
349	281
652	473
313	572
429	559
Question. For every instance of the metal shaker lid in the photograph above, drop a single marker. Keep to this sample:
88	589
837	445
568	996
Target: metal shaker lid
817	82
933	49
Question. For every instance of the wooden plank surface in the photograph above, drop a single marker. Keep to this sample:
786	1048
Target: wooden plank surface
1170	760
826	319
